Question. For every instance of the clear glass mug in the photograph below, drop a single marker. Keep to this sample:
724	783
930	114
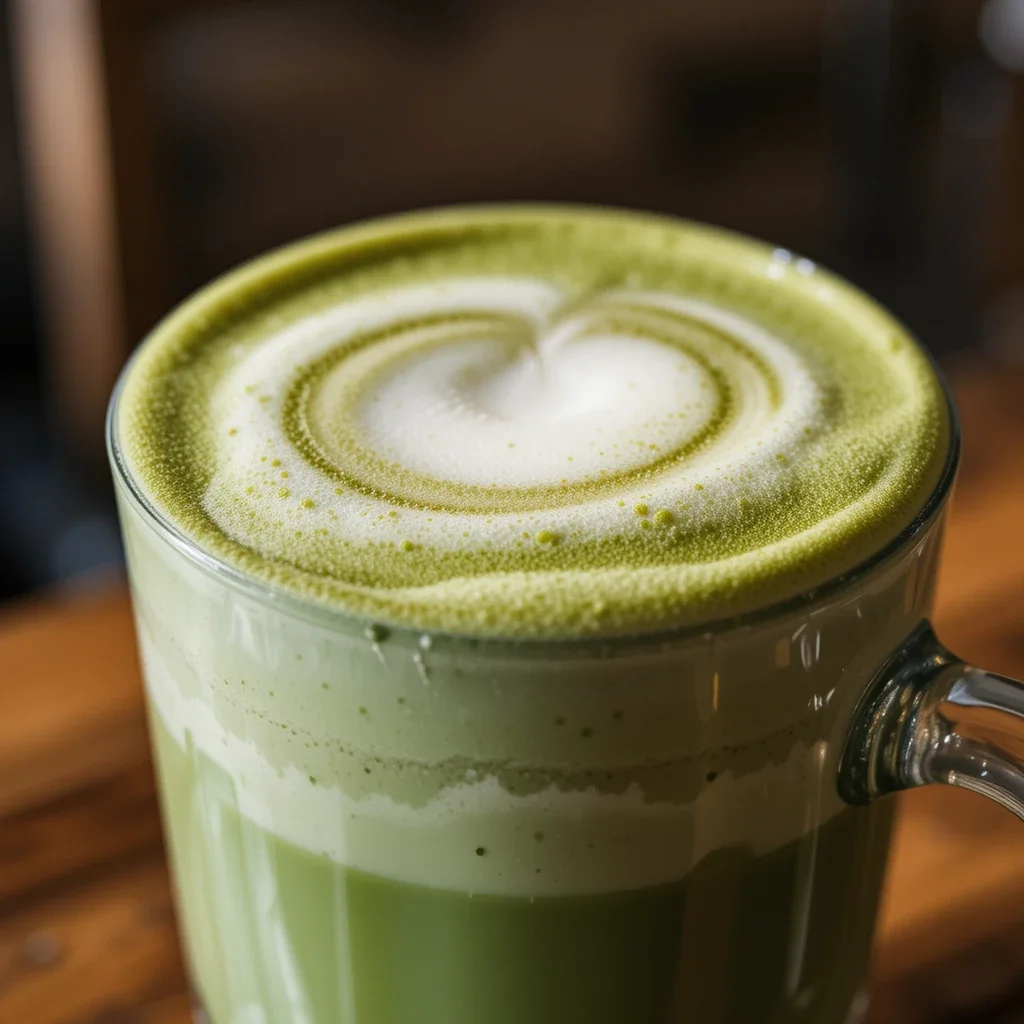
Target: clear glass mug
379	826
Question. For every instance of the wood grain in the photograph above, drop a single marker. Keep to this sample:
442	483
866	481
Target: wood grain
71	701
105	950
87	930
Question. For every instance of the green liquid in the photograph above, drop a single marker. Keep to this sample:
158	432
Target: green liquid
779	938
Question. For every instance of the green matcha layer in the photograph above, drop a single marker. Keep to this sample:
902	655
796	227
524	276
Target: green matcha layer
534	422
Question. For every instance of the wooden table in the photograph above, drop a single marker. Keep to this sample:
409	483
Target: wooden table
87	933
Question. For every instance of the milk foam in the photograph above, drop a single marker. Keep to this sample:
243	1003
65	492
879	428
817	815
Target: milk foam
477	837
531	423
539	419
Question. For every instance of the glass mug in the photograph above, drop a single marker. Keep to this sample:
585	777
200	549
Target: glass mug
682	826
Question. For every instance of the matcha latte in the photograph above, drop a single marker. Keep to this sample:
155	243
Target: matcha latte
426	521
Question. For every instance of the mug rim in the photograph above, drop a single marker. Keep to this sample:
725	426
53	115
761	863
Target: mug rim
324	614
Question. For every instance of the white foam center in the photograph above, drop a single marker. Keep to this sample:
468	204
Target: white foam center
562	397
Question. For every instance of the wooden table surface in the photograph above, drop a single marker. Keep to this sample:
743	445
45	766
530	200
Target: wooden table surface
87	933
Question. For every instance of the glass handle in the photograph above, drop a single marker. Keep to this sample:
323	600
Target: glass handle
930	717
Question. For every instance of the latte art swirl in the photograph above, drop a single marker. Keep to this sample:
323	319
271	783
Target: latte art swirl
423	400
481	439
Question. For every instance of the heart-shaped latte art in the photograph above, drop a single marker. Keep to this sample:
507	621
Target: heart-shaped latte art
448	407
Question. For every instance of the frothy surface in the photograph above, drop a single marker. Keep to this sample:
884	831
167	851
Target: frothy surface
535	422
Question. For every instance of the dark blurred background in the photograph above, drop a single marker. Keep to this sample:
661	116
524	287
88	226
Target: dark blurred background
148	145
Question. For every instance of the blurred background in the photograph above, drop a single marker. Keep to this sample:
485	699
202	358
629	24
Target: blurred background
148	145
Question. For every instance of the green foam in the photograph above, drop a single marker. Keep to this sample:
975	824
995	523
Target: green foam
863	476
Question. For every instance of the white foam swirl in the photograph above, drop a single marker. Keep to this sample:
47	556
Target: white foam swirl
463	413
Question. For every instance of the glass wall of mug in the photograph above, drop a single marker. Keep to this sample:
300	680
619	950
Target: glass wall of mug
374	826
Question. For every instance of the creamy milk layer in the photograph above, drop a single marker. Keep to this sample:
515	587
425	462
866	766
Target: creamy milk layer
586	829
534	422
475	836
